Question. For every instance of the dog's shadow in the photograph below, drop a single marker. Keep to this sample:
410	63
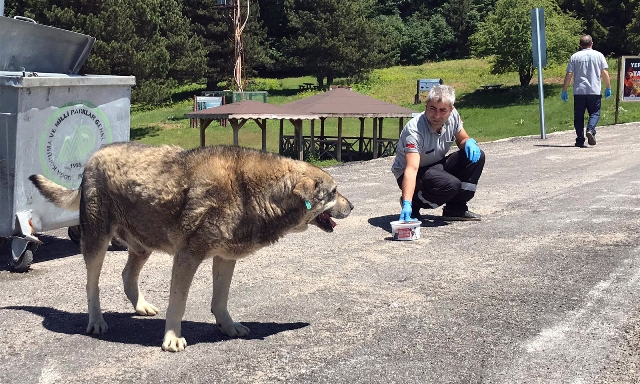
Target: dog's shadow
128	328
384	222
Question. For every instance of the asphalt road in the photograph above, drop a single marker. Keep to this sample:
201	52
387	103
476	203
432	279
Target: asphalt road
543	290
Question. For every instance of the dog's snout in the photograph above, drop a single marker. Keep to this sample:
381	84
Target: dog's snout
342	208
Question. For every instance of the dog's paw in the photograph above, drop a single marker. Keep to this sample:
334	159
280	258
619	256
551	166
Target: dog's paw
98	327
172	343
233	329
146	309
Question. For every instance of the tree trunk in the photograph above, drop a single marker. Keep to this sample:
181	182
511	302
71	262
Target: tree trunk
212	85
329	80
526	74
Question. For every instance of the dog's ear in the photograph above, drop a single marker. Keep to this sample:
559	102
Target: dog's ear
305	188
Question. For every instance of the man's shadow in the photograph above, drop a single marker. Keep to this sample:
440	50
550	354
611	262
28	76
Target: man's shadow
557	146
384	222
128	328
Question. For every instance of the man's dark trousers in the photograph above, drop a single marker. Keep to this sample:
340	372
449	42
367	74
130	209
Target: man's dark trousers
582	103
451	181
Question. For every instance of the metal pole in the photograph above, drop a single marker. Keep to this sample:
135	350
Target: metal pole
1	7
543	133
618	89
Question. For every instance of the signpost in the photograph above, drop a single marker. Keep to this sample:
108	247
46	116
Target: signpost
539	57
424	85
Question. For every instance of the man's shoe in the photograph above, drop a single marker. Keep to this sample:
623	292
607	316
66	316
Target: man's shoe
591	137
583	145
460	216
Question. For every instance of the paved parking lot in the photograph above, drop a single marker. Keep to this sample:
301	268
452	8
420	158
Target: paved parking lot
542	290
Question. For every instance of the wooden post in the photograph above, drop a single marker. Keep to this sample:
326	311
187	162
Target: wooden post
361	140
374	146
380	135
400	126
202	128
262	123
322	137
299	144
236	125
339	144
281	143
204	123
313	146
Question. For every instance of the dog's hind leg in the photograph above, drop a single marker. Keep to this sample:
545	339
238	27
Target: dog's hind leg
222	274
130	274
94	248
185	265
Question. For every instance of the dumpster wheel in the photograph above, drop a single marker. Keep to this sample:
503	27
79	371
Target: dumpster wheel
24	262
74	234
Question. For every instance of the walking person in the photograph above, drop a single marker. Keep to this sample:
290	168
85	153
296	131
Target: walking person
427	176
588	68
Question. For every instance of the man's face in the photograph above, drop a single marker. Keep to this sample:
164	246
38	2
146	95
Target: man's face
437	113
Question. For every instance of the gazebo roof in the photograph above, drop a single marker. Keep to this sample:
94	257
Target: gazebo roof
342	102
250	109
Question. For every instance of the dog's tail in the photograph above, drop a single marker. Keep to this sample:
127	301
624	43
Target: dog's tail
60	196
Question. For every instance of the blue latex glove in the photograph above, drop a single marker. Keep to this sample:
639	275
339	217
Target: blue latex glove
472	150
607	93
407	209
564	96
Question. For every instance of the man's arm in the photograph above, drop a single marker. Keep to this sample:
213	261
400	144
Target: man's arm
461	138
410	175
567	80
605	75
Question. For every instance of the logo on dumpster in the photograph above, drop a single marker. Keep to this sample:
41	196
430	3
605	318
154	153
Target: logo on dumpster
73	133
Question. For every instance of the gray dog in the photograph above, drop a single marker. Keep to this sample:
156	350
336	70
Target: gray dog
220	202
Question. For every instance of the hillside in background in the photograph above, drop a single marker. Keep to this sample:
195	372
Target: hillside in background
487	114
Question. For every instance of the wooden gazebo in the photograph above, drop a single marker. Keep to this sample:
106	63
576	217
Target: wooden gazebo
239	113
338	103
344	103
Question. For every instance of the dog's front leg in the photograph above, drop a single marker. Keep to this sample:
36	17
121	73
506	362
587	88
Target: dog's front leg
184	267
222	274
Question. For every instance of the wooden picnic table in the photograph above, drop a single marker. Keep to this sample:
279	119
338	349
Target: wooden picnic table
491	86
306	86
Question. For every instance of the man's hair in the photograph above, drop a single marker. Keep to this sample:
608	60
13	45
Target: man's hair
442	93
585	41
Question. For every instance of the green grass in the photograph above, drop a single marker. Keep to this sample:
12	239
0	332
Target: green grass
487	115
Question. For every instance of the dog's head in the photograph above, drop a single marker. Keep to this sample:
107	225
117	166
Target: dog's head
322	201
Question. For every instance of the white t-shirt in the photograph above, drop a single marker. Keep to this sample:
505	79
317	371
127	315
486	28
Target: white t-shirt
586	66
417	136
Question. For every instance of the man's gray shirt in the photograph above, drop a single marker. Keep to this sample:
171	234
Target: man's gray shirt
586	66
417	136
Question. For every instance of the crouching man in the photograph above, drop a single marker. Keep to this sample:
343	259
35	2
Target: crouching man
427	176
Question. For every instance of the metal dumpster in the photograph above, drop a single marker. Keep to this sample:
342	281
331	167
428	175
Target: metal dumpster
50	124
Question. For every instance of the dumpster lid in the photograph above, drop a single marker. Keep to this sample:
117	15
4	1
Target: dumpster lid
28	46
